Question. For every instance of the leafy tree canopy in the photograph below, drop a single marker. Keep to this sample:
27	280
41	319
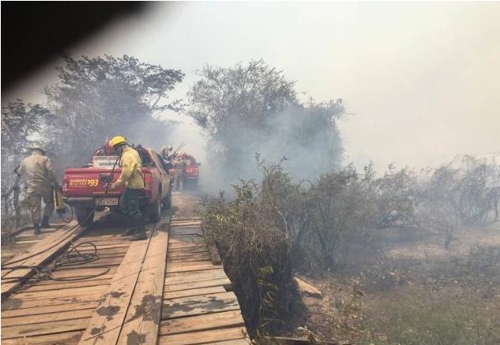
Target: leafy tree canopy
253	108
249	93
105	96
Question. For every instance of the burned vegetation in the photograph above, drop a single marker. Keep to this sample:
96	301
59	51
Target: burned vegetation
406	257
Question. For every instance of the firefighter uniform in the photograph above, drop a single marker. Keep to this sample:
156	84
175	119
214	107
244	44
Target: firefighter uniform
179	166
133	180
40	177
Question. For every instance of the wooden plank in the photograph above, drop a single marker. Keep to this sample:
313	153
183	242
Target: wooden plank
187	237
106	246
191	225
195	305
194	292
32	319
142	321
47	242
105	255
296	341
107	251
19	303
244	341
185	231
186	224
196	285
199	263
181	277
104	239
214	254
189	258
68	285
185	242
66	338
178	223
83	273
194	277
192	266
28	294
187	249
48	309
50	284
30	242
188	253
42	252
203	337
226	319
106	324
110	261
43	328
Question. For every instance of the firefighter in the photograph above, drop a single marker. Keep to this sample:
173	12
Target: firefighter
166	155
40	178
179	166
133	179
166	152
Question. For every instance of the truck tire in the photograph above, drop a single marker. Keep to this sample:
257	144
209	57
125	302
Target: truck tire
84	215
167	202
154	211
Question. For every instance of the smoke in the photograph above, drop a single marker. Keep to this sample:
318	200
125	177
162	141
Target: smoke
305	140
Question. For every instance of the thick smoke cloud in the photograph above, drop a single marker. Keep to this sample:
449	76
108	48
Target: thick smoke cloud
305	140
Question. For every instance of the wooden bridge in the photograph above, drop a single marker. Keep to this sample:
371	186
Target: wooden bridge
168	289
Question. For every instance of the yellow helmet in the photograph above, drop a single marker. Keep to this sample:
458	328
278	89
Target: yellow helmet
118	140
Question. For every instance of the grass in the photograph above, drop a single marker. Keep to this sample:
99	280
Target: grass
420	317
446	301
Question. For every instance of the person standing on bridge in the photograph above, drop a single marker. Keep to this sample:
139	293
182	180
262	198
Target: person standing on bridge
179	166
40	178
133	179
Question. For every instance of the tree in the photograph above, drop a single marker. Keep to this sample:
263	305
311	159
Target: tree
249	93
100	97
253	108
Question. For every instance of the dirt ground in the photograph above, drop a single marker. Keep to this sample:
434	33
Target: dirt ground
427	278
185	205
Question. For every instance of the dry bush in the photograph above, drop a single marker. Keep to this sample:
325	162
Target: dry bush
316	228
251	235
337	209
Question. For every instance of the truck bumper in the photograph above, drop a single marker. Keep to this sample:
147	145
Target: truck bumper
80	201
91	201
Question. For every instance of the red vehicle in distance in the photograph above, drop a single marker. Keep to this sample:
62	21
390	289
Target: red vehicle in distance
191	171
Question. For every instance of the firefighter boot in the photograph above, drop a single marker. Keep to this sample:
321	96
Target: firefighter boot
37	229
45	223
140	230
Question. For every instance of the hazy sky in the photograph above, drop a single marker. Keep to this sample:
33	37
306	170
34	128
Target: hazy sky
420	80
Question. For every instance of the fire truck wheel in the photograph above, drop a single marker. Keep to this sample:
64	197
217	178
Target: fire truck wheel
167	202
154	211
